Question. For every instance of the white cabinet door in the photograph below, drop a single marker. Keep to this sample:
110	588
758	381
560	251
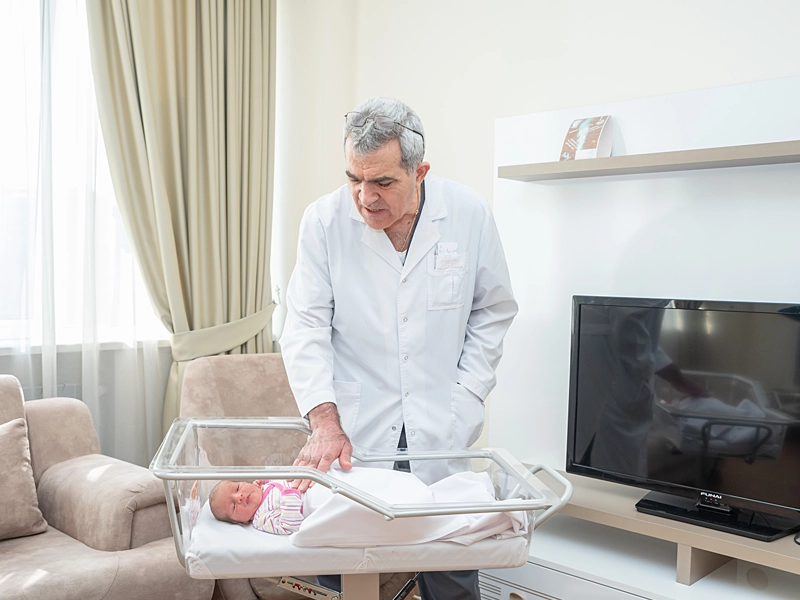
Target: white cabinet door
532	581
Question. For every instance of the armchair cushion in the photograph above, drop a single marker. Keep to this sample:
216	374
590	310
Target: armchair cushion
53	566
20	515
94	498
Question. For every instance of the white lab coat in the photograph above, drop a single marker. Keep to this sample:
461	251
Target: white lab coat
393	343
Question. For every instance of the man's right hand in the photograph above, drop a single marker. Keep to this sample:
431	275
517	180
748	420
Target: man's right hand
326	443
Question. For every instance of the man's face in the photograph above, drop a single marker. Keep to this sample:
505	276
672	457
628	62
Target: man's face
382	189
238	500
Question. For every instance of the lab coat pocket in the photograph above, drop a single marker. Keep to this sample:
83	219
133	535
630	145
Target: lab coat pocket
447	287
348	398
468	417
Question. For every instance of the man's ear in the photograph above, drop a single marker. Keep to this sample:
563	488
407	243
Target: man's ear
422	171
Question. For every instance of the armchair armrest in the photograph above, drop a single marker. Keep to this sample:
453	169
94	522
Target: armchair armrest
58	429
105	503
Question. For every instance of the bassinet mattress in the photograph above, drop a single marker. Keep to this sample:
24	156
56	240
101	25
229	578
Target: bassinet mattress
220	550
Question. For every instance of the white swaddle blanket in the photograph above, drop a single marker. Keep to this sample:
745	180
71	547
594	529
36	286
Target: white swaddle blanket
336	520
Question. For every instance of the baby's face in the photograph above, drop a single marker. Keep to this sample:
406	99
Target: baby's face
238	500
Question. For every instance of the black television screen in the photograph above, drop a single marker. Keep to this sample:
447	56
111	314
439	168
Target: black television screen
698	401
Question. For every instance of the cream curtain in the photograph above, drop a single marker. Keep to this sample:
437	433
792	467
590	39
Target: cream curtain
185	96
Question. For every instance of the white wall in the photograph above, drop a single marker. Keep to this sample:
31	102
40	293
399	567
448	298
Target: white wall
722	234
464	63
315	87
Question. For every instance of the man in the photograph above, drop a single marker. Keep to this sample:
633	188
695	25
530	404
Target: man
397	309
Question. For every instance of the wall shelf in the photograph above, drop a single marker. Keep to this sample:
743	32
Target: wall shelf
700	550
773	153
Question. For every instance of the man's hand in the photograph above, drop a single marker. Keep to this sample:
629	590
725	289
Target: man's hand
673	375
326	443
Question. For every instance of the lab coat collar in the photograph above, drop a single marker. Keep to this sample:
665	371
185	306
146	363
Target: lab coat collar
427	233
425	236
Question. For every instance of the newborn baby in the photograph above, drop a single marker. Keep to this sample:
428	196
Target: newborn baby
332	519
270	506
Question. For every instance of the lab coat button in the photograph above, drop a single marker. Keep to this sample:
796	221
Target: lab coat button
406	394
413	432
394	428
405	358
403	281
405	319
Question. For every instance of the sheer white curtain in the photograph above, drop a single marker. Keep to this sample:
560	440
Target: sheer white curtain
74	317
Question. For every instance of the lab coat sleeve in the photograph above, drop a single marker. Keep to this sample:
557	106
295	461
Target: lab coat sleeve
306	340
493	309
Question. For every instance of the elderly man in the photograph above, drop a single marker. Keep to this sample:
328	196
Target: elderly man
397	309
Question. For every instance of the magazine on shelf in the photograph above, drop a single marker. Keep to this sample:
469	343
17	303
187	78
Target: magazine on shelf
588	138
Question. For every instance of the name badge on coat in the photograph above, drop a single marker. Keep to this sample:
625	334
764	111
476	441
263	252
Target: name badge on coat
447	257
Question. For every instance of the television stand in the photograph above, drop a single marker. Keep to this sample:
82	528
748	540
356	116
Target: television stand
738	521
700	550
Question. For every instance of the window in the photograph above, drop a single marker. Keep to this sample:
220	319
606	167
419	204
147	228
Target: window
67	268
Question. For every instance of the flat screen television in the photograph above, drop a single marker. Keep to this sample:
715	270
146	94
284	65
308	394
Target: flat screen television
697	401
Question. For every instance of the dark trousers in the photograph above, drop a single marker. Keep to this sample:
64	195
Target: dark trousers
436	585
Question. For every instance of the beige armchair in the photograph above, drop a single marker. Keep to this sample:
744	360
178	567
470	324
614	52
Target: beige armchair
76	524
249	385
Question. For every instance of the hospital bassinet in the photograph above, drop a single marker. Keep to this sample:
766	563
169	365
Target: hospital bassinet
197	453
722	431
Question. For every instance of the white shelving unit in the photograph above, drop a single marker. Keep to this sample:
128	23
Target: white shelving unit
575	559
613	505
720	226
773	153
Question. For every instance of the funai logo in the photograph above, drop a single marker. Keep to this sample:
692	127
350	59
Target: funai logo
710	496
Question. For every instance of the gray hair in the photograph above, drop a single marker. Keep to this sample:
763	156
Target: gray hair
371	136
